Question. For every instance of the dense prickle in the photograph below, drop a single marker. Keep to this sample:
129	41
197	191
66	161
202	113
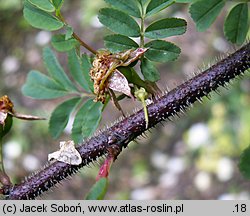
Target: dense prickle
182	97
53	173
121	133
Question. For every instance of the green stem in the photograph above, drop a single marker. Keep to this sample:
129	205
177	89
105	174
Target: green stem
142	26
145	112
1	156
142	32
82	43
4	178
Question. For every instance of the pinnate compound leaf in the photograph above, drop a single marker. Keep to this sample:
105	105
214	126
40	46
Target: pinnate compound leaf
86	66
244	164
119	22
117	43
69	32
144	2
155	6
166	28
185	1
132	76
236	24
130	7
74	64
162	51
60	116
40	86
61	44
56	71
57	3
98	190
43	5
149	71
40	19
205	12
87	120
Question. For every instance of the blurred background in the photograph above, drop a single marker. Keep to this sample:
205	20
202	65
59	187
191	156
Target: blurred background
192	157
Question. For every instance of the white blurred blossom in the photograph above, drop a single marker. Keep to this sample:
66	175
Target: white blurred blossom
12	149
31	163
42	38
10	64
198	135
168	179
146	193
159	159
95	22
220	44
202	181
225	169
232	196
176	165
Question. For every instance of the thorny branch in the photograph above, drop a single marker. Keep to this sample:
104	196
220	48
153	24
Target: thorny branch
117	137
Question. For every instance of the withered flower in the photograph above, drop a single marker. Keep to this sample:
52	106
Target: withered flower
6	109
6	106
105	75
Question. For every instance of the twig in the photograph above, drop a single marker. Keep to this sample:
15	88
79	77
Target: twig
82	43
120	134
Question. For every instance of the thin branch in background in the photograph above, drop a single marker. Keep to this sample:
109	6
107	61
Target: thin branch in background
82	43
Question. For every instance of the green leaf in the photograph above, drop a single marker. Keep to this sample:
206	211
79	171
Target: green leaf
87	120
118	43
155	6
74	64
162	51
166	28
185	1
40	86
60	116
40	19
205	12
69	32
57	3
119	22
130	7
143	2
149	71
244	164
43	5
56	71
86	66
61	44
4	129
132	76
236	24
98	190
